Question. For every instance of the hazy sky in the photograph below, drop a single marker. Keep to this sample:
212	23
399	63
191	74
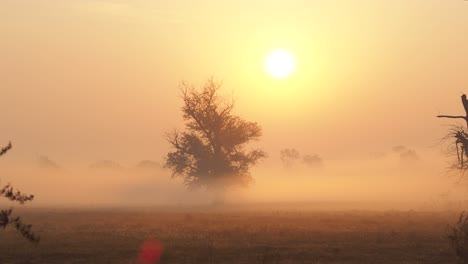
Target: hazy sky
98	79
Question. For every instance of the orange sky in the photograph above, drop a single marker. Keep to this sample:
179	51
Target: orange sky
87	80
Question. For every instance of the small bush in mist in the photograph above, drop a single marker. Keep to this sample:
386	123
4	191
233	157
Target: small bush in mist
6	216
148	164
45	162
314	161
289	157
407	156
399	149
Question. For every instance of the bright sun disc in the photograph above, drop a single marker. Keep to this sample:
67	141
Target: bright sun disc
280	64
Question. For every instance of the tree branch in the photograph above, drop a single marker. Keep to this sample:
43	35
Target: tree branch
465	105
192	112
5	149
448	116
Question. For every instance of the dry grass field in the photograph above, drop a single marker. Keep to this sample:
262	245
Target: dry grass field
232	236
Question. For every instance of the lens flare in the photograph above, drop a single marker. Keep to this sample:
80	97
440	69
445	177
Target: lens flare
151	252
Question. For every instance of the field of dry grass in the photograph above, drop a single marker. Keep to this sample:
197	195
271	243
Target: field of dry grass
232	236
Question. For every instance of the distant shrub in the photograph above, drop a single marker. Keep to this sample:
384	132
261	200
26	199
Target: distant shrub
314	161
45	162
458	237
149	164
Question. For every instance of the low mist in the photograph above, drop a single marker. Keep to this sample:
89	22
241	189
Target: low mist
390	180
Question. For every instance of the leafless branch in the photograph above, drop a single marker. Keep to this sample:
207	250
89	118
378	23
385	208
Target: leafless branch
6	149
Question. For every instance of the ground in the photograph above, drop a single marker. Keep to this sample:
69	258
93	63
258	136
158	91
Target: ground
232	236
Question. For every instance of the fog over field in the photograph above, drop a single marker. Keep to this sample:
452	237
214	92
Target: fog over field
385	180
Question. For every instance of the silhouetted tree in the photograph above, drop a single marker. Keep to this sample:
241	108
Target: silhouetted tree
458	232
6	216
289	157
211	151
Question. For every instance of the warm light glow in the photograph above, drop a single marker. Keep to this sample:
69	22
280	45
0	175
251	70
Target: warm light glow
280	64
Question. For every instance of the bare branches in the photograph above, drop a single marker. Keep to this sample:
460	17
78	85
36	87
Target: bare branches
447	116
6	215
24	229
465	106
198	108
5	149
458	141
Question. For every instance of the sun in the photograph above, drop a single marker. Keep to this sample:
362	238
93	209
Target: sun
280	64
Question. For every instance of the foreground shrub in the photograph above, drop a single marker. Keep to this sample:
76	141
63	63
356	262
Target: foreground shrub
458	237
